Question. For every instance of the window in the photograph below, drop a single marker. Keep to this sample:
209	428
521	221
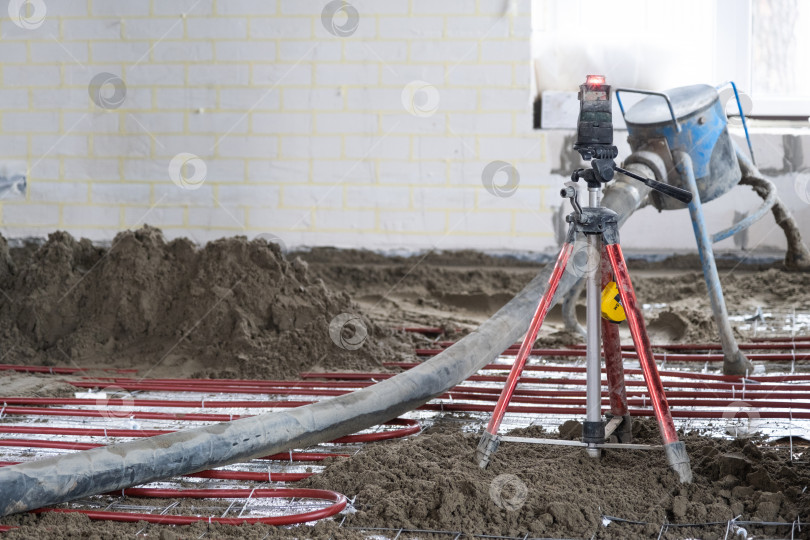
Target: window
780	57
762	45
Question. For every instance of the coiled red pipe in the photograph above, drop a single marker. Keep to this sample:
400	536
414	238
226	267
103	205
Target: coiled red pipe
338	504
234	475
411	426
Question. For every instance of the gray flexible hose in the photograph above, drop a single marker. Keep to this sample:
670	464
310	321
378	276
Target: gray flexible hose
797	257
107	469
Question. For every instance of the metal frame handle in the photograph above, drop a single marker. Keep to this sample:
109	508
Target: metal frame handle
742	115
649	93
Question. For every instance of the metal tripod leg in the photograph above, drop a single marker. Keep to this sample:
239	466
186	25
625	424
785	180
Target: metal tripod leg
489	441
734	362
614	368
675	450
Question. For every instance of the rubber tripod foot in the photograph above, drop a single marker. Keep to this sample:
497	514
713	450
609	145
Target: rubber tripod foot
486	447
679	461
736	364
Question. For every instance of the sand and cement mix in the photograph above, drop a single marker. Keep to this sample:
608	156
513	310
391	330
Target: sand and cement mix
233	308
239	308
431	482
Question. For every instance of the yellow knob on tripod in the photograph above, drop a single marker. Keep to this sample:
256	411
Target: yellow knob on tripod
612	308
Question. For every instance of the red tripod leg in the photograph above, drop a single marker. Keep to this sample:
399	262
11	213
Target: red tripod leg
675	450
614	368
489	441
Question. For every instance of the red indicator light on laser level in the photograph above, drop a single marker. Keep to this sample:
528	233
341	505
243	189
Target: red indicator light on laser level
595	80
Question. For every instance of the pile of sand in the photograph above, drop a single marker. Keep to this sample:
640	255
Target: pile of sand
233	308
431	482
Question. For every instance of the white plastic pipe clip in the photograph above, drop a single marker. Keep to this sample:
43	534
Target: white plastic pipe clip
244	506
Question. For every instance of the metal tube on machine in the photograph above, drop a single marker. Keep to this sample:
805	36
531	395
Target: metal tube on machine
593	431
734	362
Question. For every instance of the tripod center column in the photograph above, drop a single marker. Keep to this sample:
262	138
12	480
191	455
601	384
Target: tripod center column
593	429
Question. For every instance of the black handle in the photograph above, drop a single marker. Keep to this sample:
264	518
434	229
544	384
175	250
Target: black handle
674	192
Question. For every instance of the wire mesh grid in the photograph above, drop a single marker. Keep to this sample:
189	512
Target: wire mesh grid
767	322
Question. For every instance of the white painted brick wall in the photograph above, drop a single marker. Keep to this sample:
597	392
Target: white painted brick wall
30	122
31	214
59	145
423	222
280	220
169	194
254	146
412	27
307	147
196	8
259	196
153	28
377	197
95	216
219	218
47	169
480	223
339	220
391	147
113	193
55	192
423	172
336	173
313	197
13	99
136	216
317	138
97	169
180	52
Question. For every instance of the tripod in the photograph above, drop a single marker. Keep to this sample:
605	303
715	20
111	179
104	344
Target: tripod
601	230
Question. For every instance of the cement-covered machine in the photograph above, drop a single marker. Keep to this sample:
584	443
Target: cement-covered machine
682	137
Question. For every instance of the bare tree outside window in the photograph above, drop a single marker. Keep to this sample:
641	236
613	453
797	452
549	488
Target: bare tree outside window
780	58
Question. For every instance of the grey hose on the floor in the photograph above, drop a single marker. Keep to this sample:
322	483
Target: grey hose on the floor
107	469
